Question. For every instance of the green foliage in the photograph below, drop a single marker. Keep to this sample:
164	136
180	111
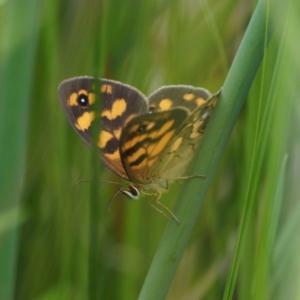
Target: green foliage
57	239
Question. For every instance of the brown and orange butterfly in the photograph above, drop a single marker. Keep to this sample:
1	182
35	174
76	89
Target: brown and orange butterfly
147	141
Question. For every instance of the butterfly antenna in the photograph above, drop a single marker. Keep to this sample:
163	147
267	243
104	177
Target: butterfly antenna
101	181
114	196
83	180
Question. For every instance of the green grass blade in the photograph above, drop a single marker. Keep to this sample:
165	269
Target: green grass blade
260	245
17	52
235	89
261	289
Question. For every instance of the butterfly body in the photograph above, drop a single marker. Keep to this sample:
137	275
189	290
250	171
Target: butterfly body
147	141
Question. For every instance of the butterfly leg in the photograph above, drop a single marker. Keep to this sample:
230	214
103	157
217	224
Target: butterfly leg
156	200
158	210
186	177
169	211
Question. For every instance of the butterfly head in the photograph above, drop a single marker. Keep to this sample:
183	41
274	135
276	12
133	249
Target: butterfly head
131	191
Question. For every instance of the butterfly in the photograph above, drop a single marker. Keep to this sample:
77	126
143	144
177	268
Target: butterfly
147	141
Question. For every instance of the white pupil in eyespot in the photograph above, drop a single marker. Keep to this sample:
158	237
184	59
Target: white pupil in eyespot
83	100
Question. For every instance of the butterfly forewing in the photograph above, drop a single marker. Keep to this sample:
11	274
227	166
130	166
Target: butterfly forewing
120	103
145	138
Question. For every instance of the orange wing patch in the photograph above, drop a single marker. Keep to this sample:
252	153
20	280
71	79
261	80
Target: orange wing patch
165	104
199	101
84	122
115	156
117	110
72	101
106	88
189	97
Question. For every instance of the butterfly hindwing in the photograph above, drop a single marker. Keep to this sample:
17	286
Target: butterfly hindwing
119	104
176	158
171	96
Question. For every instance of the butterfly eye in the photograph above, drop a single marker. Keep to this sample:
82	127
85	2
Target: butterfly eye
131	192
83	100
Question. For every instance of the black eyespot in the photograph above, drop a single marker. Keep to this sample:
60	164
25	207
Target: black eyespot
83	100
152	109
142	128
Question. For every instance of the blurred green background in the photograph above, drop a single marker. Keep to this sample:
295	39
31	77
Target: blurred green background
46	234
